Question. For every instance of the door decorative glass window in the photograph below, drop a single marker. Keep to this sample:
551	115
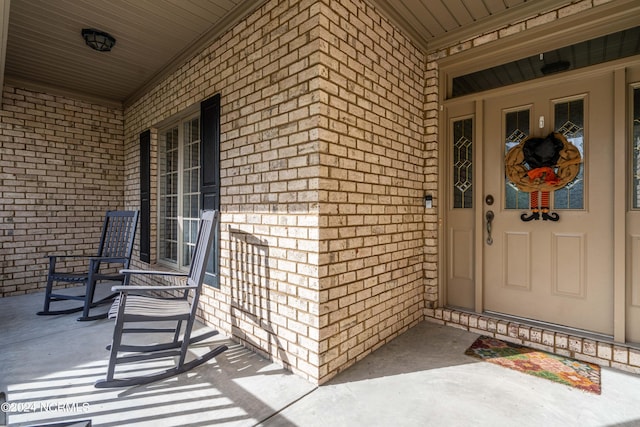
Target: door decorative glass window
463	164
517	128
569	121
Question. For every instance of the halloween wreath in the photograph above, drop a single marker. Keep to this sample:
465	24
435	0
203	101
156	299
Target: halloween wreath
540	165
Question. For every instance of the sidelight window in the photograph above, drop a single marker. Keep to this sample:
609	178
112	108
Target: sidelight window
463	163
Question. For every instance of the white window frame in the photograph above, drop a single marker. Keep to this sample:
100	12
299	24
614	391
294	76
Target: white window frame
183	219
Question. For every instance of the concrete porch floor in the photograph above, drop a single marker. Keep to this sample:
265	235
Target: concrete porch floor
48	366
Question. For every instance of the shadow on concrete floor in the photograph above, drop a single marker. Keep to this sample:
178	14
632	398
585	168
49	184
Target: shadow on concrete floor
48	366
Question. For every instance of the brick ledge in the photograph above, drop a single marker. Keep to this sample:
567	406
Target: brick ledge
614	355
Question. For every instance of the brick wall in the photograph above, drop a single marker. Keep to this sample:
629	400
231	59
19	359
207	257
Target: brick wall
267	77
372	217
322	179
61	166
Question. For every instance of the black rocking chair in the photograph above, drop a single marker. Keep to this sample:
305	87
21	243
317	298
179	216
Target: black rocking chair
114	253
141	304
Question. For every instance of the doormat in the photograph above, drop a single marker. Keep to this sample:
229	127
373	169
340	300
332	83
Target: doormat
582	375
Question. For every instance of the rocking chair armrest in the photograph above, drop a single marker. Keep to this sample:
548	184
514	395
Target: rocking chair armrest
126	288
92	258
108	259
68	256
154	272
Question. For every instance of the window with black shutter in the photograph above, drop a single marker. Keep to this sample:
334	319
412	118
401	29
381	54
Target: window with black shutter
188	182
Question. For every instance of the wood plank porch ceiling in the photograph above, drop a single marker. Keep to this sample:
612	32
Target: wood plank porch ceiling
44	48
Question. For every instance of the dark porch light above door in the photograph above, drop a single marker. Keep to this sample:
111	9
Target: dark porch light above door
98	40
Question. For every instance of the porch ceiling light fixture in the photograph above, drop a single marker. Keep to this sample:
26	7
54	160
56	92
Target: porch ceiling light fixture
98	40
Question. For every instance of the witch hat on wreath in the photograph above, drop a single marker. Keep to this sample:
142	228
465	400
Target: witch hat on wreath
541	165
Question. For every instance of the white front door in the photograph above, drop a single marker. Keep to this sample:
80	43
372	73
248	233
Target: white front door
560	272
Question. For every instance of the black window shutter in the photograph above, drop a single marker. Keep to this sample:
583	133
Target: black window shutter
210	174
145	196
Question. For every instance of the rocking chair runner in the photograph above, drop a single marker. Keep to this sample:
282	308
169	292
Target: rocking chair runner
133	306
114	252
